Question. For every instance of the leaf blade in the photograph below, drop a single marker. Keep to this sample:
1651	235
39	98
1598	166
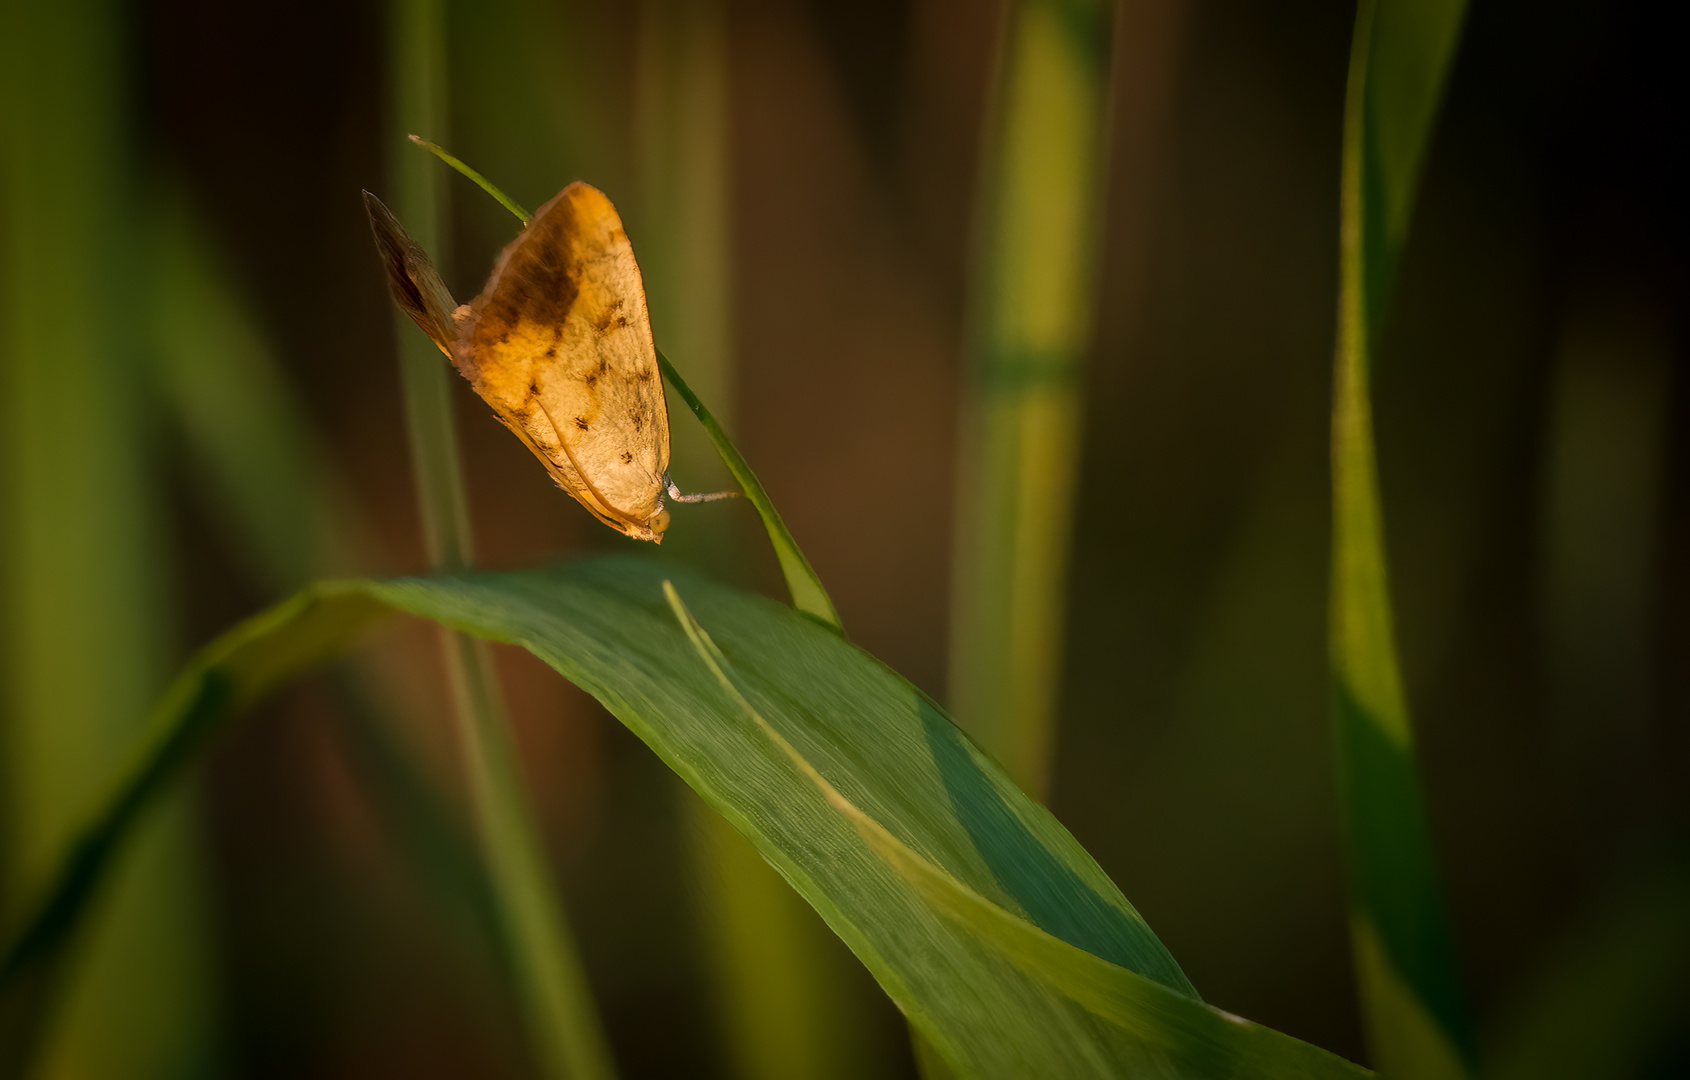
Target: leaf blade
1403	947
978	913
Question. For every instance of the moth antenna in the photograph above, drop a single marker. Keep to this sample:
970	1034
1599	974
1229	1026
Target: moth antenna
675	493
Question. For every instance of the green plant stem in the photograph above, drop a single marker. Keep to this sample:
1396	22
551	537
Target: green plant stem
1031	324
440	152
88	629
808	595
1403	950
562	1023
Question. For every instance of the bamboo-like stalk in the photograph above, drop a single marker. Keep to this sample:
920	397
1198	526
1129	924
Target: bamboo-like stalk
559	1014
86	632
1031	321
1403	952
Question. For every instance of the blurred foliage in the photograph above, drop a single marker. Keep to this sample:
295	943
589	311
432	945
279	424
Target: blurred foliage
1407	979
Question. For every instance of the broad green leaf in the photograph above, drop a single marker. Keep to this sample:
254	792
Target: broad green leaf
984	920
1175	1038
1404	957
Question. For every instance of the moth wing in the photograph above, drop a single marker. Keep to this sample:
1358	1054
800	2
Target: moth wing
560	344
608	401
411	278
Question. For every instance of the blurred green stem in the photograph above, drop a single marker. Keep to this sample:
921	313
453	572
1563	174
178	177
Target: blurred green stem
1030	326
561	1020
1404	956
87	629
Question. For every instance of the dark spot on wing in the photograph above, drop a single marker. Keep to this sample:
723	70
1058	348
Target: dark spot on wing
627	458
551	351
536	280
590	380
637	418
581	422
533	388
644	375
612	317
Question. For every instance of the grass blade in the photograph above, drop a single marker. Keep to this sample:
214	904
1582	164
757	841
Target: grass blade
88	625
806	589
978	913
481	181
1404	955
1160	1015
559	1014
1031	324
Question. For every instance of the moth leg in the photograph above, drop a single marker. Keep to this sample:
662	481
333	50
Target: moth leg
675	493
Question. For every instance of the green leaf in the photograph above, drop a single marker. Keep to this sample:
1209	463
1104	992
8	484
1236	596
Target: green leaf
1200	1041
985	921
1404	956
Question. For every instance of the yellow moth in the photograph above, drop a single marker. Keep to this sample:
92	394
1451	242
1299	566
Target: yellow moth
559	344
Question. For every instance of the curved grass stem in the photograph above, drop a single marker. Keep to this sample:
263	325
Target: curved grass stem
563	1026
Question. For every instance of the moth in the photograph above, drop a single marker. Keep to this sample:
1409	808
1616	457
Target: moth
559	344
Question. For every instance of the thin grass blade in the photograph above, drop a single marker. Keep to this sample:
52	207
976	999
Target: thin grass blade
559	1013
808	594
1403	951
